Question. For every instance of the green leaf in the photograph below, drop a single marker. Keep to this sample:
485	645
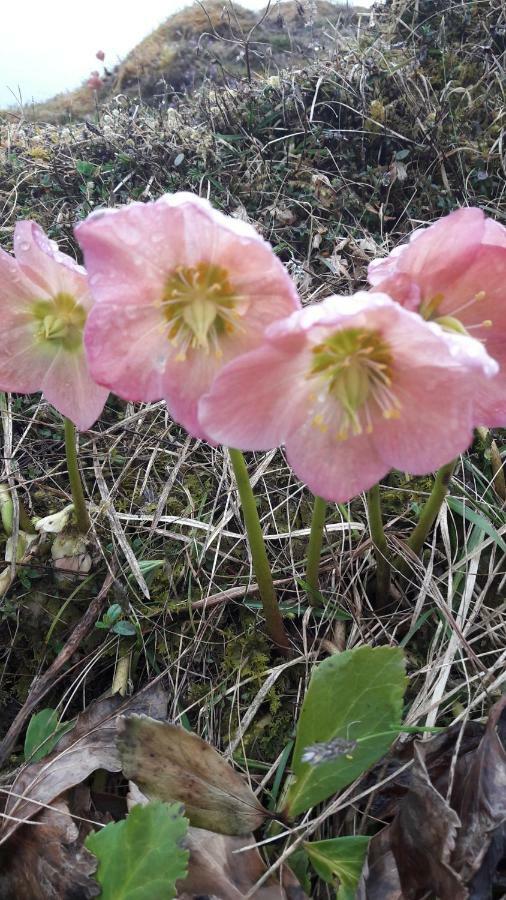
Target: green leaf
126	629
353	697
140	858
339	861
43	733
477	519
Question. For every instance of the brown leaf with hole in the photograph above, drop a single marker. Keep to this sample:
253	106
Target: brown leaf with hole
89	746
48	861
219	866
169	763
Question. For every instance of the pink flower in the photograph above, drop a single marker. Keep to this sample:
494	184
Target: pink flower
181	290
100	55
454	273
353	387
95	82
44	301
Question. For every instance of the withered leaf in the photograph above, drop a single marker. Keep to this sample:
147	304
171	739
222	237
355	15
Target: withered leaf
89	746
218	868
48	861
480	794
380	877
169	763
422	839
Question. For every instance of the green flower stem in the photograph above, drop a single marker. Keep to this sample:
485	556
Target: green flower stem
273	619
81	512
315	548
431	508
383	568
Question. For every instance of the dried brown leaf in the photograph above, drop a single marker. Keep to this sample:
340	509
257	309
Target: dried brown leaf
422	838
217	867
480	794
169	763
380	878
47	860
91	745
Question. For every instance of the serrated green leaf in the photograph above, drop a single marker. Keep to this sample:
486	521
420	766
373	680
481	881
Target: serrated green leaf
43	733
339	861
140	858
477	519
355	696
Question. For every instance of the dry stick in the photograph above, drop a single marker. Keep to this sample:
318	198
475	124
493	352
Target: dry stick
46	681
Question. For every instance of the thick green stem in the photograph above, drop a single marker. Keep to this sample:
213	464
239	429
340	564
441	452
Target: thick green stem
383	568
81	512
314	549
261	566
431	508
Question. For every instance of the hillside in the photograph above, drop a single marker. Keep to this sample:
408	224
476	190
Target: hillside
215	41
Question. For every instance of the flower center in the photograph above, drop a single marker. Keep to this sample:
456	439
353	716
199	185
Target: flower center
201	307
59	321
354	367
429	310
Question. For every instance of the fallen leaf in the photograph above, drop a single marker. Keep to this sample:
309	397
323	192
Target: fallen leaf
171	764
47	860
220	866
217	868
89	746
479	794
380	878
422	839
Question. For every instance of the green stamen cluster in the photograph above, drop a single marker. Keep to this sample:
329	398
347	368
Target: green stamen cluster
356	365
200	305
60	321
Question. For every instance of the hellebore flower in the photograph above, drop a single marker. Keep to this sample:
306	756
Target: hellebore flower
44	301
181	290
353	387
454	273
95	82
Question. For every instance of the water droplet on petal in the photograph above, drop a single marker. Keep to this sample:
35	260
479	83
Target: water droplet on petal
24	246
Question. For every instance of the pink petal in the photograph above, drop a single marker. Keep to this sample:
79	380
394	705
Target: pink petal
256	400
47	267
126	347
484	277
428	433
67	385
333	469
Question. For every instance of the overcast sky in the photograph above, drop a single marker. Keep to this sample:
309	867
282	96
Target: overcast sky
48	46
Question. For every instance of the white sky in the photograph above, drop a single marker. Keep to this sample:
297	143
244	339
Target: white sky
48	46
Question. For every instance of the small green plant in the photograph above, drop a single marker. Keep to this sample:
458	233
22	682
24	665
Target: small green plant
141	858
